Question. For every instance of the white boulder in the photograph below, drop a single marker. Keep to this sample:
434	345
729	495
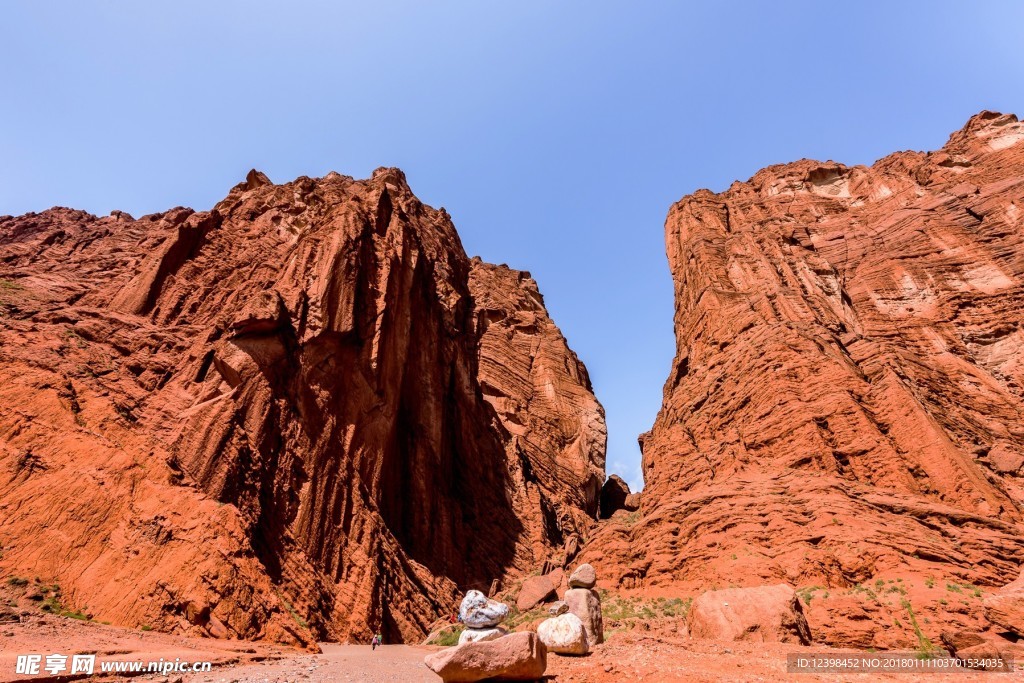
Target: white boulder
477	611
479	635
564	635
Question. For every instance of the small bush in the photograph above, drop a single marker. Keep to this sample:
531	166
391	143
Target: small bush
449	636
807	593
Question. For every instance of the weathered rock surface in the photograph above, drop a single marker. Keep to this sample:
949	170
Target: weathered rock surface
515	657
542	394
478	635
563	635
846	394
479	611
558	607
277	419
586	605
988	653
766	614
584	576
1005	608
535	590
615	496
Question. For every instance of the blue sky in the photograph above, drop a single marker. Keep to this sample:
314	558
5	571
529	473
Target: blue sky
557	134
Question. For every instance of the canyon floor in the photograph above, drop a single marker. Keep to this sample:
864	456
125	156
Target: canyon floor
627	655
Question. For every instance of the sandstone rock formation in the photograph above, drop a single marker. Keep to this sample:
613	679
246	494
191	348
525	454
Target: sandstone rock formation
584	576
766	614
1004	609
300	415
846	396
543	396
515	657
535	590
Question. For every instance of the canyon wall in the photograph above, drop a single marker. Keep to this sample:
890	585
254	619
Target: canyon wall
846	396
285	418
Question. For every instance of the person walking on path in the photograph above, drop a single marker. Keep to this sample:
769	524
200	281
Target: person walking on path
377	640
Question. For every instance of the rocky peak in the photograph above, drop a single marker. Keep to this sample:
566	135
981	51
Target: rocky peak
298	378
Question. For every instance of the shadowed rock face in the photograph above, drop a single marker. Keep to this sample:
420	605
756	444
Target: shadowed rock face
267	421
541	393
847	391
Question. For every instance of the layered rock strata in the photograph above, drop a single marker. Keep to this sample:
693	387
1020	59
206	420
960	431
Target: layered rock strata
846	397
283	418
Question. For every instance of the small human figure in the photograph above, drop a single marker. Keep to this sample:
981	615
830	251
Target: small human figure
377	640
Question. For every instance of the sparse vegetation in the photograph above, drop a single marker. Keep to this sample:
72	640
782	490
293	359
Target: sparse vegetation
515	617
448	636
619	608
861	588
17	581
925	649
291	610
807	593
50	597
930	582
145	627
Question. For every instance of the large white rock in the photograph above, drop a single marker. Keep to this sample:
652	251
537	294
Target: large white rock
564	635
479	635
479	612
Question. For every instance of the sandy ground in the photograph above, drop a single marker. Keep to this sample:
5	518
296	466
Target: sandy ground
625	658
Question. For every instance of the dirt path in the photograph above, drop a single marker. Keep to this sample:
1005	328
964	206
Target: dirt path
627	657
336	663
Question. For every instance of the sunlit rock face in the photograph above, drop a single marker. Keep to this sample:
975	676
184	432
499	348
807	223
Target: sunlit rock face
283	418
847	391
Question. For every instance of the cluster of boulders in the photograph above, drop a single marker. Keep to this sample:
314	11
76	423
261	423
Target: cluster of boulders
576	623
482	618
486	650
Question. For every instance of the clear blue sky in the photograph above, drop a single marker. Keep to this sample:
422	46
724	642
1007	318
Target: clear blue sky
557	134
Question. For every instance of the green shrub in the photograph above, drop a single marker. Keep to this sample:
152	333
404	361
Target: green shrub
448	636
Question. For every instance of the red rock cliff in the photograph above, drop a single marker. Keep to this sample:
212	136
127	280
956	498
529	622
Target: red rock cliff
847	391
266	420
542	394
